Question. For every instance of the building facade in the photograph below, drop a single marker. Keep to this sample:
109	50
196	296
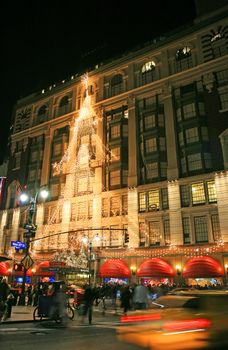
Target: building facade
137	145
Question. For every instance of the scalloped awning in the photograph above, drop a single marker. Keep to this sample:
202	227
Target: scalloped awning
155	267
202	266
4	269
114	268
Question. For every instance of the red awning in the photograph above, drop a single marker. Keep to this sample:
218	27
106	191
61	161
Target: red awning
202	266
42	269
4	269
155	267
114	268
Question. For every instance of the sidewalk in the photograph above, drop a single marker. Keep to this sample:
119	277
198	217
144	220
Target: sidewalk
25	313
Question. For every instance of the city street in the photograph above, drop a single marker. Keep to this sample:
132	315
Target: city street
47	335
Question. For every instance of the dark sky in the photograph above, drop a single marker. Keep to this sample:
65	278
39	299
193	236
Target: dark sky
43	42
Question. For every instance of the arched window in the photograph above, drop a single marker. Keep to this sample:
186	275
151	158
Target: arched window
42	114
148	67
64	101
148	73
116	85
64	106
182	53
183	59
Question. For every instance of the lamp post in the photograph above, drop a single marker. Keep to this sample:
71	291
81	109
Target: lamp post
31	231
90	247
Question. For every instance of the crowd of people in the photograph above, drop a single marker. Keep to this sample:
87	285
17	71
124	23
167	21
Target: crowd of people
128	297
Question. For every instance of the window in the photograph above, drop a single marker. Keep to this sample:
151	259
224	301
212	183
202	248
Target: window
149	66
151	145
54	191
164	198
183	53
149	121
181	138
192	135
114	235
124	204
115	178
90	209
211	191
116	85
185	196
115	154
115	131
194	162
207	160
105	206
142	201
189	110
32	175
223	95
142	234
57	149
162	144
201	231
198	194
114	206
186	230
215	227
166	225
73	212
82	210
204	133
154	233
152	170
34	156
42	113
82	184
153	200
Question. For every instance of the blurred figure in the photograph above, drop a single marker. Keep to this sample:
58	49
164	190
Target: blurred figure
4	289
89	297
10	303
125	298
140	297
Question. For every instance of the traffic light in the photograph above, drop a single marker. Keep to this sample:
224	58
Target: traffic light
126	237
18	267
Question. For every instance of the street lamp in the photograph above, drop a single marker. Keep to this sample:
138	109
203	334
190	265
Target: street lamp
86	240
31	231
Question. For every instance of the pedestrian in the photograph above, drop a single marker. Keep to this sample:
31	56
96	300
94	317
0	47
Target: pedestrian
125	298
140	296
89	297
10	303
4	289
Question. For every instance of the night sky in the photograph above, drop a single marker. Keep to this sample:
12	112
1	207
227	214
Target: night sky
44	42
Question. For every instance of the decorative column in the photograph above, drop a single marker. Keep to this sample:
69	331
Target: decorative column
224	143
100	157
2	225
132	144
221	185
40	227
175	218
46	158
133	222
172	169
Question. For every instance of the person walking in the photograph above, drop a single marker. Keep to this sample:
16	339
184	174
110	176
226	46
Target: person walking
140	296
125	298
4	289
89	297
